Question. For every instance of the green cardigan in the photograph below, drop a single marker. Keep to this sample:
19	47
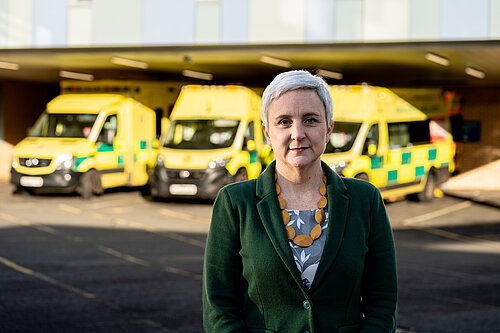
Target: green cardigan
251	282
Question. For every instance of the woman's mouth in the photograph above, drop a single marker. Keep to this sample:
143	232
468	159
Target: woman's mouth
298	149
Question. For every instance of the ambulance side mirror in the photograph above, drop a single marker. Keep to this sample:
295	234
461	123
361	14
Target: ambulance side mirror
250	145
372	150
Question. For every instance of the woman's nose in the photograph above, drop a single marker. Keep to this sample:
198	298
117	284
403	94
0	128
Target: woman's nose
298	132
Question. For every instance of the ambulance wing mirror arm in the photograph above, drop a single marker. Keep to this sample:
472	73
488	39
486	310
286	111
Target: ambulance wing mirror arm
107	136
249	145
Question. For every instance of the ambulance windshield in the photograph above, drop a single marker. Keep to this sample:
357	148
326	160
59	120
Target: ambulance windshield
63	125
201	133
342	137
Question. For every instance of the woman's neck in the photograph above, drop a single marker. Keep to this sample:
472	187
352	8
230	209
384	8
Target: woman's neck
300	188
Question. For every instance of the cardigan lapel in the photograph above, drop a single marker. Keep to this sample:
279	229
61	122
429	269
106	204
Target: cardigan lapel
338	203
270	215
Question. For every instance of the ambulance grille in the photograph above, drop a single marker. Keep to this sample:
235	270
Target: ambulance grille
33	162
176	174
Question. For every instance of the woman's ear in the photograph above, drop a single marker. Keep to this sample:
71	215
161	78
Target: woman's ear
329	131
266	134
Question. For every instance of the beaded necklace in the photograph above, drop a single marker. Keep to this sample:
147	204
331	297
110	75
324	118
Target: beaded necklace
319	216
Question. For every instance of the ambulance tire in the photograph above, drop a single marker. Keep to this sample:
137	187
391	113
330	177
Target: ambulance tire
362	176
241	175
430	185
145	190
18	190
90	183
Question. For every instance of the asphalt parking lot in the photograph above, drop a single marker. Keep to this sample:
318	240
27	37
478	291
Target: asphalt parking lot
123	263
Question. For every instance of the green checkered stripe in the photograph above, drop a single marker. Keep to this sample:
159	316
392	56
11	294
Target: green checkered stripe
392	175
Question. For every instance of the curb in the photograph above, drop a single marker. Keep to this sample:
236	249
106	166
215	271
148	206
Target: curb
478	199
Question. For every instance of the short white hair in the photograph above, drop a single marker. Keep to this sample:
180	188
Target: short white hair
293	80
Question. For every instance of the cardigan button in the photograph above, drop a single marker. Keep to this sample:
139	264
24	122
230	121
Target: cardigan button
306	305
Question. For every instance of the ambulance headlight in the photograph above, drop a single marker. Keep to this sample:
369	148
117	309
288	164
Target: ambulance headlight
339	166
64	161
160	161
219	162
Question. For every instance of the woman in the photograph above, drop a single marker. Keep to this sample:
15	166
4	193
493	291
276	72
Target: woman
299	249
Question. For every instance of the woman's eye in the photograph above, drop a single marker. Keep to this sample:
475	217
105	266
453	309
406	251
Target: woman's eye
284	122
311	120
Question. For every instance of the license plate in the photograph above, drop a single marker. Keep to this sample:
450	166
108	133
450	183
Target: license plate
31	181
183	189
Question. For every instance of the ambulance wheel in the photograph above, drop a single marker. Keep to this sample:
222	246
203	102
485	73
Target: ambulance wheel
362	176
90	183
145	190
430	186
241	175
17	190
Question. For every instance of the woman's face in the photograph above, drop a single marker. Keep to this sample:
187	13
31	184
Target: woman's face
297	129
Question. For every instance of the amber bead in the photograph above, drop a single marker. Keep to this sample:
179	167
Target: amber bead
303	240
316	232
322	189
286	216
282	202
290	232
320	216
322	202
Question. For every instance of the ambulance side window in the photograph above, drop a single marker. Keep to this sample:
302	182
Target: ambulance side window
371	139
398	135
109	130
249	135
408	134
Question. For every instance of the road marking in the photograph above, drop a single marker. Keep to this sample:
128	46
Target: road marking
48	279
70	209
458	237
80	292
155	231
142	262
98	216
40	227
183	273
116	220
113	252
120	210
123	256
140	226
10	218
440	212
45	228
186	239
453	300
14	219
23	205
447	272
184	216
113	203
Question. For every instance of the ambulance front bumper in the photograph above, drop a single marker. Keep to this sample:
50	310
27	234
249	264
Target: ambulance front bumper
59	180
188	183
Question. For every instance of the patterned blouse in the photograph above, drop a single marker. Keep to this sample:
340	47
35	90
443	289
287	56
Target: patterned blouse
307	258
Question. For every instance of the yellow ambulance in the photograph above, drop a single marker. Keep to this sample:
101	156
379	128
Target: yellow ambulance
379	137
214	138
86	143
